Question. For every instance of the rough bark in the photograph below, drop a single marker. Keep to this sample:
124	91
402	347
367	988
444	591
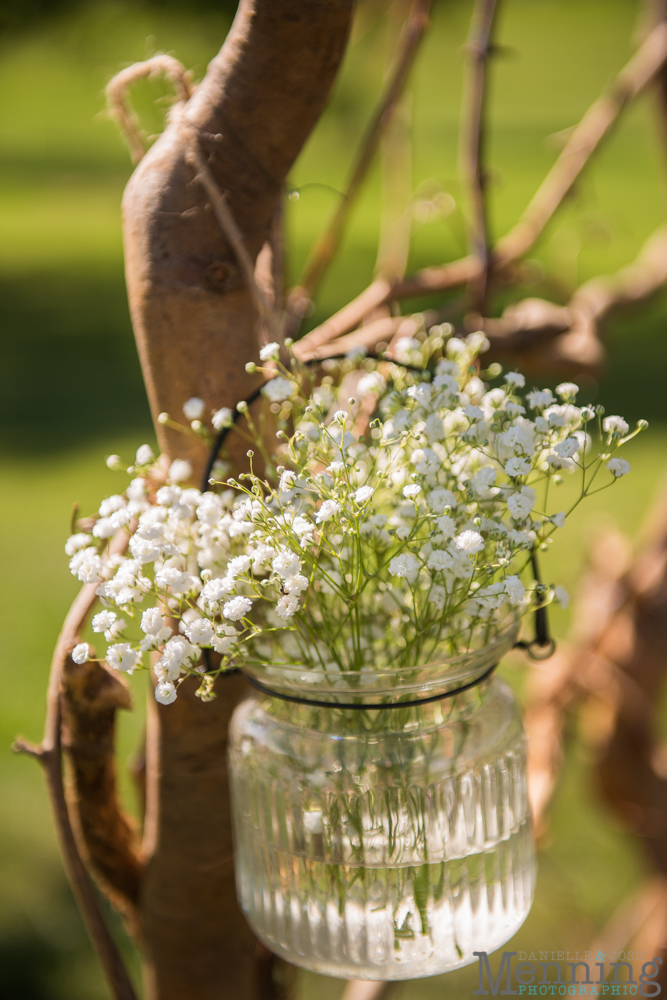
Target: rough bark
194	317
195	322
91	695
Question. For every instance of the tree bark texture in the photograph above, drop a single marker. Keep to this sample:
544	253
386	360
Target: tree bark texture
195	323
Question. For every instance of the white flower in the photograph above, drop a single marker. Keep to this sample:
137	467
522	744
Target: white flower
336	468
76	542
567	448
199	632
440	498
473	413
286	563
174	655
515	379
287	606
618	466
426	461
180	583
278	389
180	470
520	505
270	352
567	391
515	589
406	344
363	494
404	565
446	381
439	560
287	481
122	656
216	590
223	417
438	596
326	511
237	608
469	542
237	565
446	525
411	491
539	398
193	408
561	596
104	620
165	693
86	565
372	382
154	625
115	463
482	481
558	519
517	467
144	454
296	584
615	426
81	652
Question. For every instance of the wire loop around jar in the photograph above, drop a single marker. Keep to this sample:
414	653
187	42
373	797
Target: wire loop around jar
540	648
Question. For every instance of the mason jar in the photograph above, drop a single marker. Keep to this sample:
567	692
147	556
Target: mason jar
383	843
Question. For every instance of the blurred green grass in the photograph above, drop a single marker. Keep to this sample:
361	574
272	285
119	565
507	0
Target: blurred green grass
71	390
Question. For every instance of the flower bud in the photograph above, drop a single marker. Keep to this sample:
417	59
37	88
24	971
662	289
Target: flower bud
163	418
251	367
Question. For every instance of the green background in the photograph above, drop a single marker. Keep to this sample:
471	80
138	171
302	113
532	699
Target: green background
71	390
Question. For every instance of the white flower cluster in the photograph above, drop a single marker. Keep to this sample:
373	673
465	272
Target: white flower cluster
385	540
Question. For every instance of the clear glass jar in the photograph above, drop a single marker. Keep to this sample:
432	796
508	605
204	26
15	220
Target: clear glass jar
383	844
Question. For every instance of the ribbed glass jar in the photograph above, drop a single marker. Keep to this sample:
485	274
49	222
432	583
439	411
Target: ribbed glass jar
384	844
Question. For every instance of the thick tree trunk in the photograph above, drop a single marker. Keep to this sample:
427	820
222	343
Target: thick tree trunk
196	326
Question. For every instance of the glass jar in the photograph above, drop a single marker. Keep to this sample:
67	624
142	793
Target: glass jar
383	844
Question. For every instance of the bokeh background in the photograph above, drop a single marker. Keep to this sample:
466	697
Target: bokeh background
71	390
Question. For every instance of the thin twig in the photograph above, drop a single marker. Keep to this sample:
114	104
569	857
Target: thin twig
119	104
647	62
328	243
233	234
643	67
49	753
473	135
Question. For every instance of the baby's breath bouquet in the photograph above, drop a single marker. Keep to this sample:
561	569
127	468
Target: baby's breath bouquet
372	566
392	522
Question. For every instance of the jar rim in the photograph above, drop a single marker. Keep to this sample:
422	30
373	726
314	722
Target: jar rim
428	680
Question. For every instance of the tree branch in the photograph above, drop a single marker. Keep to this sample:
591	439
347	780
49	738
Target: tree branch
50	756
642	69
119	103
233	234
91	695
596	124
328	243
473	133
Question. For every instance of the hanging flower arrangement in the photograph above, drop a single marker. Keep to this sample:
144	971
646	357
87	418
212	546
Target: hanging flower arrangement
368	572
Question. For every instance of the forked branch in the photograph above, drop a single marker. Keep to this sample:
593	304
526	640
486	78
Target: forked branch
641	70
49	754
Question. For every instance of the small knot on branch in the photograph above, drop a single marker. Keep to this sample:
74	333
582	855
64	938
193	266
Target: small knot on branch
35	750
118	100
